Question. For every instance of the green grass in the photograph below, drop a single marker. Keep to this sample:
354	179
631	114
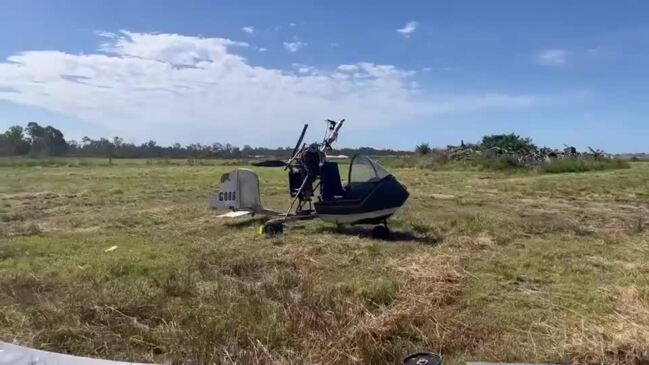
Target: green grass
484	265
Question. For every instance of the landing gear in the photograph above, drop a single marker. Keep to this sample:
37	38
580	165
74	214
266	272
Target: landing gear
271	229
381	232
275	226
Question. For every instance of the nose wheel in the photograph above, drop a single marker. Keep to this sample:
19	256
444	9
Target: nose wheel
271	229
381	232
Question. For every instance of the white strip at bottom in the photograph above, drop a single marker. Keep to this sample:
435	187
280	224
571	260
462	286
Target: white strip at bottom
235	214
352	218
18	355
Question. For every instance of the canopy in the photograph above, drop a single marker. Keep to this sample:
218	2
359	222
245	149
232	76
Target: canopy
363	169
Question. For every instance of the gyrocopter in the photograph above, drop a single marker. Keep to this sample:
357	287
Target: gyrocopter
370	196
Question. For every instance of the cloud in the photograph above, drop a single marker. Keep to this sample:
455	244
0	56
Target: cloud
294	46
347	68
304	69
187	89
552	57
262	49
408	29
105	34
173	49
248	29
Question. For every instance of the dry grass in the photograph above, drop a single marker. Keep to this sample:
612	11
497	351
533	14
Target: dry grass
483	266
622	337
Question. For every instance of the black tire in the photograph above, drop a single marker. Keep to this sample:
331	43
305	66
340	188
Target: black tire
273	229
381	232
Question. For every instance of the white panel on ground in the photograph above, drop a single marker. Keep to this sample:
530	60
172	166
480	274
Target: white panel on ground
19	355
505	363
238	214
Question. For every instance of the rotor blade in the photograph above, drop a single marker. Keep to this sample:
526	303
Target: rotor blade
337	157
269	163
299	141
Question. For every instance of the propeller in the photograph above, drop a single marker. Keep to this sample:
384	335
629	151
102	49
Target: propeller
297	146
269	163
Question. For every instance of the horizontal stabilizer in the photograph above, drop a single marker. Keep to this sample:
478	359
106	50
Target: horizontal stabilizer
269	163
337	157
239	195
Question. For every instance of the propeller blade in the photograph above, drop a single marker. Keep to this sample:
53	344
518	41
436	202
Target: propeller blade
269	163
297	146
337	157
299	141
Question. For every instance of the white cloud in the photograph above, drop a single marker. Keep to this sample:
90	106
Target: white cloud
552	57
294	46
262	49
187	89
105	34
304	69
347	68
408	29
248	29
170	48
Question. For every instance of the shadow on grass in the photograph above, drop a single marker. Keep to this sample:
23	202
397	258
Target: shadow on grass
395	235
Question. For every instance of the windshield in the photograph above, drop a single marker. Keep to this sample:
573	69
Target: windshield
364	169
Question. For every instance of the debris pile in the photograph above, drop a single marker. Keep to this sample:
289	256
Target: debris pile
515	149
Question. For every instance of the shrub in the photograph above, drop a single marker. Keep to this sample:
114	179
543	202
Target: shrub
510	142
582	164
422	149
502	162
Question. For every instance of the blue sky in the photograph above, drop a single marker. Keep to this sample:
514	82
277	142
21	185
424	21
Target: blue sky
401	72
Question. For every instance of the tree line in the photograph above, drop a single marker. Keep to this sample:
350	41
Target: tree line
35	140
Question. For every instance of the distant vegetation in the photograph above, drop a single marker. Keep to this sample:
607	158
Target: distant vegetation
37	141
493	152
510	152
582	164
423	149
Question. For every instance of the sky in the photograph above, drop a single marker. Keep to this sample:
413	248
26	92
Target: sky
400	72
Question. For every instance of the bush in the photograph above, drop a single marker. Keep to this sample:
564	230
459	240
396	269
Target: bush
434	160
582	164
502	162
422	149
510	142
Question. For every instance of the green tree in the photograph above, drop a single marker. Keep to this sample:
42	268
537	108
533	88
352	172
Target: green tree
45	140
423	149
13	142
507	142
36	140
55	142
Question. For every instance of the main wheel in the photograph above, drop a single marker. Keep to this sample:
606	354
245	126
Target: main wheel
273	229
423	358
381	232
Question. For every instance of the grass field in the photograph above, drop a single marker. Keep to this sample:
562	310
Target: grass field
483	265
